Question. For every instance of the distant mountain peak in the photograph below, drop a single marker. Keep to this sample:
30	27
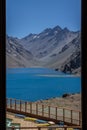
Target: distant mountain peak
30	35
66	29
47	30
57	28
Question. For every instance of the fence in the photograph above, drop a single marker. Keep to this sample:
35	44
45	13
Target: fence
47	128
56	114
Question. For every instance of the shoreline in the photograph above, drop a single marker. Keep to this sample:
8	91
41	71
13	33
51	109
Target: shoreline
51	75
67	100
46	75
71	101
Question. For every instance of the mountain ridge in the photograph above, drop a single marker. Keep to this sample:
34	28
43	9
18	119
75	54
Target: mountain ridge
52	48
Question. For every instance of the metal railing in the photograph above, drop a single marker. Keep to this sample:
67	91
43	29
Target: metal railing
46	128
37	110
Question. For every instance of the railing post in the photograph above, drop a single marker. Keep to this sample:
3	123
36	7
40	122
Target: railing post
20	105
11	103
63	114
49	111
71	117
56	112
25	106
31	107
36	109
80	118
42	110
65	128
39	128
15	104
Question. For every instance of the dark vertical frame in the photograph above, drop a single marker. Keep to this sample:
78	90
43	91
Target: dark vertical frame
84	64
2	64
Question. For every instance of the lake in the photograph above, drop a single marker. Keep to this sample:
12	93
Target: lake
34	84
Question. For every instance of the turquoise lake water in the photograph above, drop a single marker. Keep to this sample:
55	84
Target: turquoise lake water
33	84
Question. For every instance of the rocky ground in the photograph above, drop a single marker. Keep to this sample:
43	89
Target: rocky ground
72	101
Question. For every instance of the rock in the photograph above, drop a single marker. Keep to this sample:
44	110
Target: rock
56	69
65	95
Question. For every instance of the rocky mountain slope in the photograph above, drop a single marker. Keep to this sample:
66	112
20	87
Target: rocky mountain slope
53	48
16	55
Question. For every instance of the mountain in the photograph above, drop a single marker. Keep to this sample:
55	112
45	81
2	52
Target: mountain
73	63
47	41
16	55
55	48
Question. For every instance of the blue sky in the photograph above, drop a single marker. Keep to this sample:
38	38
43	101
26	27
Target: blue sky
33	16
